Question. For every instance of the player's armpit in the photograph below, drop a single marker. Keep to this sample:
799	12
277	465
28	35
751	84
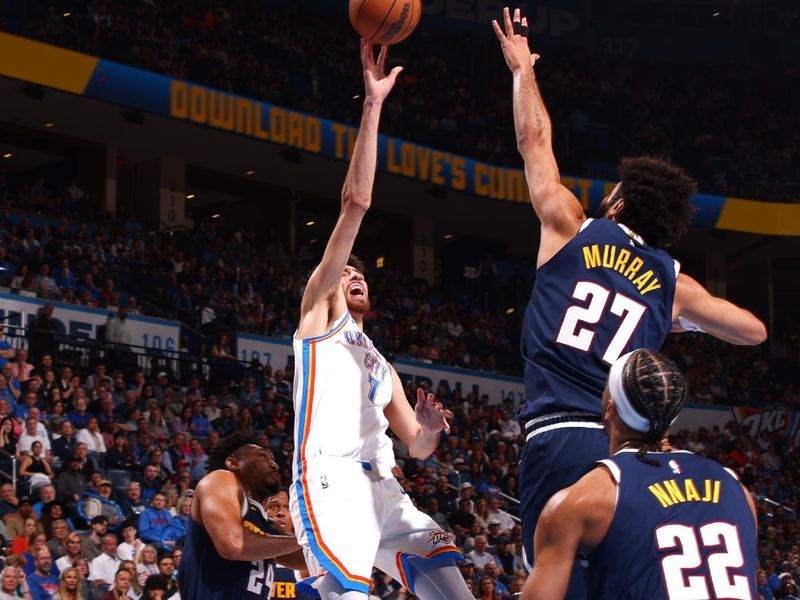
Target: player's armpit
718	317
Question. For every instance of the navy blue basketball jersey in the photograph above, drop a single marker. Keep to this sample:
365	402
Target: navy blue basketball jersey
205	574
605	293
284	586
680	530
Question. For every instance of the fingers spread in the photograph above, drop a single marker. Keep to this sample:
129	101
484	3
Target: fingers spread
498	31
508	24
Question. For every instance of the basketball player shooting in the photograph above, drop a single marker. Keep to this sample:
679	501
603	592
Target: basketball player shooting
349	511
604	287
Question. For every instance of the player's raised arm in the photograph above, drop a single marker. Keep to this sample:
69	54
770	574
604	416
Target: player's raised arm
356	198
695	309
558	209
219	500
420	427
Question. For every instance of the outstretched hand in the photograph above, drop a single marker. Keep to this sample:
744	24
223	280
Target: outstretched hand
377	83
514	40
431	414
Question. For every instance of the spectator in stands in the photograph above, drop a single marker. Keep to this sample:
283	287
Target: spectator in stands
92	544
43	582
36	467
69	585
147	565
225	424
71	484
88	467
166	567
480	556
119	456
45	285
122	584
41	331
133	504
47	493
176	530
20	367
200	424
72	552
93	439
103	568
8	442
64	443
131	546
8	500
118	328
79	417
462	519
153	522
57	544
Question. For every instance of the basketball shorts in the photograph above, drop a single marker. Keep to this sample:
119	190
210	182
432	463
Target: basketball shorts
559	450
349	519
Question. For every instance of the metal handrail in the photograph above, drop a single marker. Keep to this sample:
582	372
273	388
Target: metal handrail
13	475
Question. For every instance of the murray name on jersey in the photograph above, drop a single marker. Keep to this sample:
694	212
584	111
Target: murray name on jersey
623	261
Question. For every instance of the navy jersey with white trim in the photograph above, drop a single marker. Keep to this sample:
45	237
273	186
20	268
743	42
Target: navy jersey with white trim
204	573
603	294
694	533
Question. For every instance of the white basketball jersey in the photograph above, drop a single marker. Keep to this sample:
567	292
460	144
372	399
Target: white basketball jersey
341	386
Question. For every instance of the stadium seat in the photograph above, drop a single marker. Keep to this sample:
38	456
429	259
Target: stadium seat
119	479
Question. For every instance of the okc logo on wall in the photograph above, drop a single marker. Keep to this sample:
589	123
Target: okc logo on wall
439	536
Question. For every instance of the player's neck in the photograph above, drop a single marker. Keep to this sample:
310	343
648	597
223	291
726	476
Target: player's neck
618	444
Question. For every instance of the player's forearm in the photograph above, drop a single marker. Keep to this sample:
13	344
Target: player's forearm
357	190
424	443
531	121
257	547
295	560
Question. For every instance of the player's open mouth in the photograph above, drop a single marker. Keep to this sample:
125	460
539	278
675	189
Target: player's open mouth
356	290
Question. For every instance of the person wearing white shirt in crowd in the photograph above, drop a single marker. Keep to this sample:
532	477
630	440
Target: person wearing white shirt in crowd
503	518
33	434
479	556
103	568
131	546
92	437
509	426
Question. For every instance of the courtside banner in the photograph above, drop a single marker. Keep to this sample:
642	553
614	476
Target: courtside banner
82	321
278	352
104	80
754	420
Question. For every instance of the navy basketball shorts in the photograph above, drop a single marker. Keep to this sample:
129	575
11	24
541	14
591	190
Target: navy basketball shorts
559	450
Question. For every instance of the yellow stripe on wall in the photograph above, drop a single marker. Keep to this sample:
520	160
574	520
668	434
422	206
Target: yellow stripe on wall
57	68
751	216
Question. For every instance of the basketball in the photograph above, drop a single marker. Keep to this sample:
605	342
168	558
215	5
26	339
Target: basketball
385	22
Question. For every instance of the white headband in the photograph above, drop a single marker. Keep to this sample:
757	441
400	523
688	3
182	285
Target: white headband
625	410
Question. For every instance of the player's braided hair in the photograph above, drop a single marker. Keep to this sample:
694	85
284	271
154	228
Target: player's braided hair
656	389
657	198
228	446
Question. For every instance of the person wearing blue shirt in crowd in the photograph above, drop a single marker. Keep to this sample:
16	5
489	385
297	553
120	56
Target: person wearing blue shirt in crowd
6	352
175	532
154	521
79	417
200	421
133	504
197	459
43	582
150	483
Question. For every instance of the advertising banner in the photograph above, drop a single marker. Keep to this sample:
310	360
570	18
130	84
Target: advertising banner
81	321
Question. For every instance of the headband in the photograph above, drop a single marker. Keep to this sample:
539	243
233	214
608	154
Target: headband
616	388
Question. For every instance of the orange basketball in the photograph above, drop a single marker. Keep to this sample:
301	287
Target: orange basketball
385	22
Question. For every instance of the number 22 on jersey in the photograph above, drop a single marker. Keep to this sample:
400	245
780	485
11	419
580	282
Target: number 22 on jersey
576	330
681	586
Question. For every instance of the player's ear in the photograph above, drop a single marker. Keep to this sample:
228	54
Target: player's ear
232	463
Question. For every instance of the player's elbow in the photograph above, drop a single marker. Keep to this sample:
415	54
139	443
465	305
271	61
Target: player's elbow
229	548
755	334
356	202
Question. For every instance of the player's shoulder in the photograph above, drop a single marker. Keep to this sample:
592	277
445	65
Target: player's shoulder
218	481
595	491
